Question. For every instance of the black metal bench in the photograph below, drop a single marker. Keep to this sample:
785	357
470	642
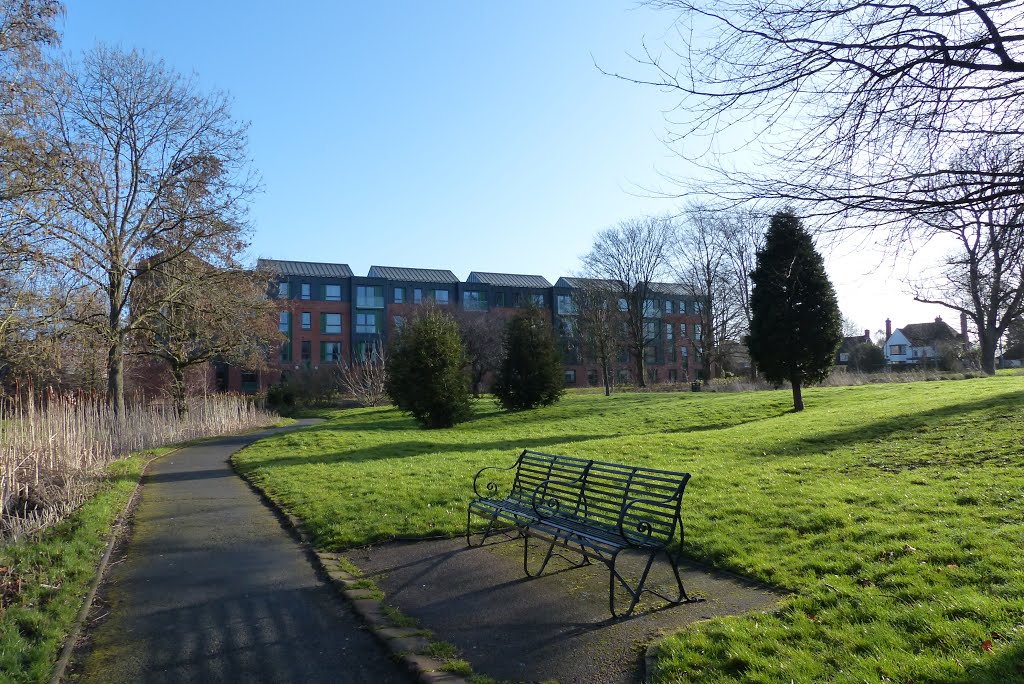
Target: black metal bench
593	508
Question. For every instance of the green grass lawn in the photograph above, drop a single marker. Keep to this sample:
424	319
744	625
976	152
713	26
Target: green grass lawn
895	513
45	579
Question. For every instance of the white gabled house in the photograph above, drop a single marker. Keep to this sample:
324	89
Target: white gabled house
921	343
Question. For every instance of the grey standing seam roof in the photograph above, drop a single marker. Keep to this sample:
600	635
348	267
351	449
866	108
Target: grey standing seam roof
424	275
312	269
507	279
673	289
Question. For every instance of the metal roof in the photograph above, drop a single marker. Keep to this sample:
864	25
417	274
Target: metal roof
423	275
674	289
312	269
508	279
587	282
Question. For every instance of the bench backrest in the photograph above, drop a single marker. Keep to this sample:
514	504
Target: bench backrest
639	504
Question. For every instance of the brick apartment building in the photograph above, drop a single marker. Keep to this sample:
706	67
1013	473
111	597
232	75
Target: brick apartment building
329	315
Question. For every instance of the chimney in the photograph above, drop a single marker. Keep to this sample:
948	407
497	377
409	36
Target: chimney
888	328
938	319
867	335
963	329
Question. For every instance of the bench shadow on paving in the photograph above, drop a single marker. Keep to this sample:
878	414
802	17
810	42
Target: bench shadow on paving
554	627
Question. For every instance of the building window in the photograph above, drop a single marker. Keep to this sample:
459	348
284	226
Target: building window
668	332
698	307
570	377
623	304
537	299
307	320
668	306
499	299
671	353
592	378
685	351
330	351
370	297
399	295
650	308
399	322
651	330
286	352
330	323
284	322
417	295
898	349
332	293
306	353
566	305
305	291
250	381
698	331
672	375
367	322
650	354
441	297
474	300
282	289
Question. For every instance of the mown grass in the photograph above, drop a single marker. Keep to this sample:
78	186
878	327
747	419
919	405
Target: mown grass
45	579
894	513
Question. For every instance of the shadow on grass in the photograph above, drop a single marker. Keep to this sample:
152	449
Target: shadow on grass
899	426
413	448
1005	663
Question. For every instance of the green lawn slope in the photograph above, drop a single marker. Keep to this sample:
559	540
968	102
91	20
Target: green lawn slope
894	513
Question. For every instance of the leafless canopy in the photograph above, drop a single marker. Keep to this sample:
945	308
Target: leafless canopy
147	168
984	275
633	254
852	103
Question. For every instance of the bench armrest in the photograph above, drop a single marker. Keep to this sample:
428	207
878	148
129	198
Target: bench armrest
492	486
540	492
643	527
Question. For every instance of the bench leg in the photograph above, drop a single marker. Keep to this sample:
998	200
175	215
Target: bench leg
636	593
548	555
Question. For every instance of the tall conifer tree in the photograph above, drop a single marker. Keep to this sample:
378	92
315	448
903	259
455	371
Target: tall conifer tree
796	326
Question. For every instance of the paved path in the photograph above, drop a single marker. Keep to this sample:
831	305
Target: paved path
213	589
554	627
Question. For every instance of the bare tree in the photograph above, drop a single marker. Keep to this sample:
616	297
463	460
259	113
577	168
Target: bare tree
984	277
483	336
366	379
633	255
144	155
704	267
200	313
848	103
596	328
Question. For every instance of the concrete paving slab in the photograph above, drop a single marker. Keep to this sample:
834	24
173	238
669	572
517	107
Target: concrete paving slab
211	588
555	627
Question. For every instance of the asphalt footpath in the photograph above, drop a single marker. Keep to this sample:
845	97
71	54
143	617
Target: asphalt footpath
556	627
211	588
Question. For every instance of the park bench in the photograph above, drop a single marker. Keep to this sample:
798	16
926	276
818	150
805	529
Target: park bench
592	508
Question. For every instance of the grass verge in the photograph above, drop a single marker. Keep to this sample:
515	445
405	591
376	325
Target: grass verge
895	513
45	579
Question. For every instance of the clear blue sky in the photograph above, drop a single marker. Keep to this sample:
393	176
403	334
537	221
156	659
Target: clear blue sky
460	135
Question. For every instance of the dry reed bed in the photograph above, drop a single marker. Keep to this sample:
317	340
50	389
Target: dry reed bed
53	455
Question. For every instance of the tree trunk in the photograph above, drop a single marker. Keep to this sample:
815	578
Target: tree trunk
641	376
987	342
606	376
798	397
179	390
115	378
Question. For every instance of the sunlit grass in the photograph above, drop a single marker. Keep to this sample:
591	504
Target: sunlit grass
895	513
